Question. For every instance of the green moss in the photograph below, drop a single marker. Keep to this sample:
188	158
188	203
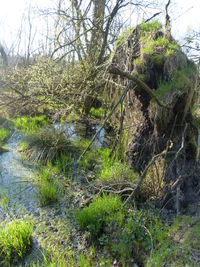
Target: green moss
180	81
150	45
15	240
138	61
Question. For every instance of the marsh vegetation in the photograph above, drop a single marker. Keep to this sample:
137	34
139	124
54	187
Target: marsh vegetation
99	143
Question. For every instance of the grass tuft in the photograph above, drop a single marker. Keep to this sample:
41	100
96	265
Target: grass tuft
101	212
4	134
15	240
30	125
97	112
48	187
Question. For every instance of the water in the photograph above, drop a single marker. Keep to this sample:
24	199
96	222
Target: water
74	131
54	225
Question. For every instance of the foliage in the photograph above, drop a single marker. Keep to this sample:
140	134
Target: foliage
15	240
141	231
48	187
101	212
4	134
30	125
47	86
118	171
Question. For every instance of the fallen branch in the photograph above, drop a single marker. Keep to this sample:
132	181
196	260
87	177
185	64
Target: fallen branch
112	69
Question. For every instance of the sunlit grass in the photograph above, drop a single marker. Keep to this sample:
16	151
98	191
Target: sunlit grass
102	211
97	112
15	240
48	187
4	134
30	125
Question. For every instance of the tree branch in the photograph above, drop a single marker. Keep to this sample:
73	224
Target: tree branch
112	69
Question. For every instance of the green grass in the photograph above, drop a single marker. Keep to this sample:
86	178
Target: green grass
48	145
30	125
4	134
180	247
118	171
114	170
150	45
48	186
150	27
181	81
15	240
64	163
101	212
97	112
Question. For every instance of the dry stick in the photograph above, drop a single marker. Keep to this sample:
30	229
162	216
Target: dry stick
127	88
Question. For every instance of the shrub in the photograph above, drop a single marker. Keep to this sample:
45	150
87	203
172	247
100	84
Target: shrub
15	240
99	214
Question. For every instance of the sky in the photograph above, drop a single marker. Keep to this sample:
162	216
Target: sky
184	14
